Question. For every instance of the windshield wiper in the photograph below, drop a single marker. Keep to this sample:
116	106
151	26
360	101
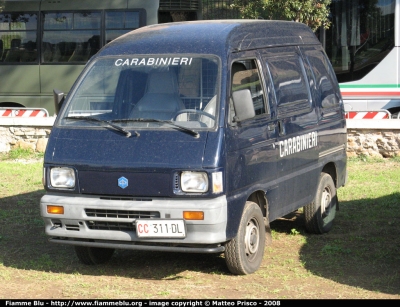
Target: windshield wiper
94	119
152	120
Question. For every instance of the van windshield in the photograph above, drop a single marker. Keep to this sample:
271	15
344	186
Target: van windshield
143	91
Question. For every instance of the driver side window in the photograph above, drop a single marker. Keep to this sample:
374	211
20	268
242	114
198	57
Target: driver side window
245	75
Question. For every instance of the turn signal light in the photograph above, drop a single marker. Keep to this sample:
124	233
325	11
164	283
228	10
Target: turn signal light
193	215
55	209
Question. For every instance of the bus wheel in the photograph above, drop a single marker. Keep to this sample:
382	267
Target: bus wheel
244	253
93	255
320	213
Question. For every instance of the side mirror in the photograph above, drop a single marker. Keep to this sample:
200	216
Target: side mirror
243	104
58	100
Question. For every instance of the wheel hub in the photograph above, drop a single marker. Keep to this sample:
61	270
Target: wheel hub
326	202
252	238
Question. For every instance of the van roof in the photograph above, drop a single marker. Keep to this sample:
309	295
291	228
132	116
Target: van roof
210	36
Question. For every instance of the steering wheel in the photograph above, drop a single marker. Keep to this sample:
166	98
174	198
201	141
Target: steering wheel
194	112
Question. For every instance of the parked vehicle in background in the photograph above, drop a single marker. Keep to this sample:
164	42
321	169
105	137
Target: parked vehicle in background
45	44
170	141
363	45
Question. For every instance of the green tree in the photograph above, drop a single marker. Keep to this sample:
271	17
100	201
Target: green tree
313	13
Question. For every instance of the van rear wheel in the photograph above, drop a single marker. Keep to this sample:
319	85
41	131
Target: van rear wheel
244	253
93	255
320	213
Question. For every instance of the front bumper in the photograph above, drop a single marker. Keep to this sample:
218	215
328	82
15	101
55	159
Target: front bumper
99	222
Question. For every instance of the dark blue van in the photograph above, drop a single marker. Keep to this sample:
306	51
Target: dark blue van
193	137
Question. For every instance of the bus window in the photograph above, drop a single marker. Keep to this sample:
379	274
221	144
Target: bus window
119	23
70	37
361	35
18	37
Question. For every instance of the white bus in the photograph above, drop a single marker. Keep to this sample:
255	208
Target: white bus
363	45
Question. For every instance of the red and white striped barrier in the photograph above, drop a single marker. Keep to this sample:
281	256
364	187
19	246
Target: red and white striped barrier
382	114
24	112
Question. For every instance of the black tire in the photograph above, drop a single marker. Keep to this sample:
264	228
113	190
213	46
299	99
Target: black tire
244	253
320	213
93	255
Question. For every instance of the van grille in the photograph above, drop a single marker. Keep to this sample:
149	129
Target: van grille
117	214
122	214
100	225
125	198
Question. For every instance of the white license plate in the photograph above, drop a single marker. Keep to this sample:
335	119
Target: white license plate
160	228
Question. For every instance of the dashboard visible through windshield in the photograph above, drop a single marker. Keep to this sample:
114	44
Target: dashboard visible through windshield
146	92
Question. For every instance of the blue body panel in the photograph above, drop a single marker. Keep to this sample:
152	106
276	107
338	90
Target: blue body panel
109	149
101	156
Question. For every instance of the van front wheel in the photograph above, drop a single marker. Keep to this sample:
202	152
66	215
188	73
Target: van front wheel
93	255
320	213
244	253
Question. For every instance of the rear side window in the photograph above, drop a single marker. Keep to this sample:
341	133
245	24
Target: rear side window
323	78
290	83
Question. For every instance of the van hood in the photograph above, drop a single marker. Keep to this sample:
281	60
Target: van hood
148	162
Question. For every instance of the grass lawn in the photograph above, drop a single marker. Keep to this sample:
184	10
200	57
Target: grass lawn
359	258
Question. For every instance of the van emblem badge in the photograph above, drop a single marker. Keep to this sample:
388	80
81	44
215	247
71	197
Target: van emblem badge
122	182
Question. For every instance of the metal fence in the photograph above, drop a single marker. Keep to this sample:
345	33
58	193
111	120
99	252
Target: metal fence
219	9
203	9
179	4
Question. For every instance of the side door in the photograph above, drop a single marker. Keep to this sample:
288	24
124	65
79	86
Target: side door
330	110
250	143
296	124
330	104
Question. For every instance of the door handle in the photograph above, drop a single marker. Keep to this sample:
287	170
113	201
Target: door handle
281	126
